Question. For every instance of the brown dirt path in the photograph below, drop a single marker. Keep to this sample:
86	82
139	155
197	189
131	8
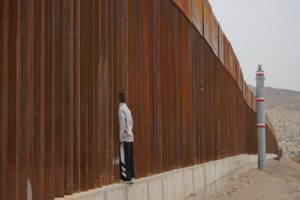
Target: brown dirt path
280	181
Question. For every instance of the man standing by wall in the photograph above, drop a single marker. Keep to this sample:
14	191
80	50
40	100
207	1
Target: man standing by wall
126	141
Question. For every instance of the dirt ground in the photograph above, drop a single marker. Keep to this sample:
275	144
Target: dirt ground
280	181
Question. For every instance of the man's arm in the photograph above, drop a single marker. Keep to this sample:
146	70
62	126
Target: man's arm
121	124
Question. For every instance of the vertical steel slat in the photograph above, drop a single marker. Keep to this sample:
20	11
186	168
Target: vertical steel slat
76	96
153	87
35	136
59	109
68	69
95	56
49	99
41	189
84	136
171	133
102	92
96	77
113	91
90	128
158	94
26	135
3	94
120	69
37	140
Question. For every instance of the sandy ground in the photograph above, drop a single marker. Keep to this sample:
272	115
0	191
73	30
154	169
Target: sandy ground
280	180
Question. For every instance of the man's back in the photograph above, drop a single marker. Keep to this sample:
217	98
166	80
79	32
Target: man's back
126	123
127	172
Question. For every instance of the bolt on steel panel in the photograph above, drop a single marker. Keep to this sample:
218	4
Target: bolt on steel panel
234	68
249	98
232	62
215	35
221	45
197	12
241	79
226	54
244	88
208	23
253	102
238	74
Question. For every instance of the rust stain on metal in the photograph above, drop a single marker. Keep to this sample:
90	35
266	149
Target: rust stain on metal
186	7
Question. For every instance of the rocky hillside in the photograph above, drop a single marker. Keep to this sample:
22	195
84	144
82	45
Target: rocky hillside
283	109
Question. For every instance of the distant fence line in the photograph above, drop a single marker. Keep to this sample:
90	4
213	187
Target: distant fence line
62	65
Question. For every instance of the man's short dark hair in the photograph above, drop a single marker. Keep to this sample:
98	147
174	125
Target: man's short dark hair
122	97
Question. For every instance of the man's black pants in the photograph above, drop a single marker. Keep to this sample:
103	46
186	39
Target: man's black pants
127	161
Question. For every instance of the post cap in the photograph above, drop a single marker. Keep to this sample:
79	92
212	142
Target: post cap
260	68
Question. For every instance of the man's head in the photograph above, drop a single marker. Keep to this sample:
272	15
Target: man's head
122	97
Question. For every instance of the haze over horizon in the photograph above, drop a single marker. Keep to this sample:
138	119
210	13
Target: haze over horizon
264	32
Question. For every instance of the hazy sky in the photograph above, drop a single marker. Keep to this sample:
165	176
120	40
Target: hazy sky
264	32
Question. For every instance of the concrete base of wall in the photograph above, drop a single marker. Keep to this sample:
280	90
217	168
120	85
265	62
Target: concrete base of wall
177	184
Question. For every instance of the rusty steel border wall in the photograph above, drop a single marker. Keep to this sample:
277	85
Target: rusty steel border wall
62	64
200	14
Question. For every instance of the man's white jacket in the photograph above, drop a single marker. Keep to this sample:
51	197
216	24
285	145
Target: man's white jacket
126	123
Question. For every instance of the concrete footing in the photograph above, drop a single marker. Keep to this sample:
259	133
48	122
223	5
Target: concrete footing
177	184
